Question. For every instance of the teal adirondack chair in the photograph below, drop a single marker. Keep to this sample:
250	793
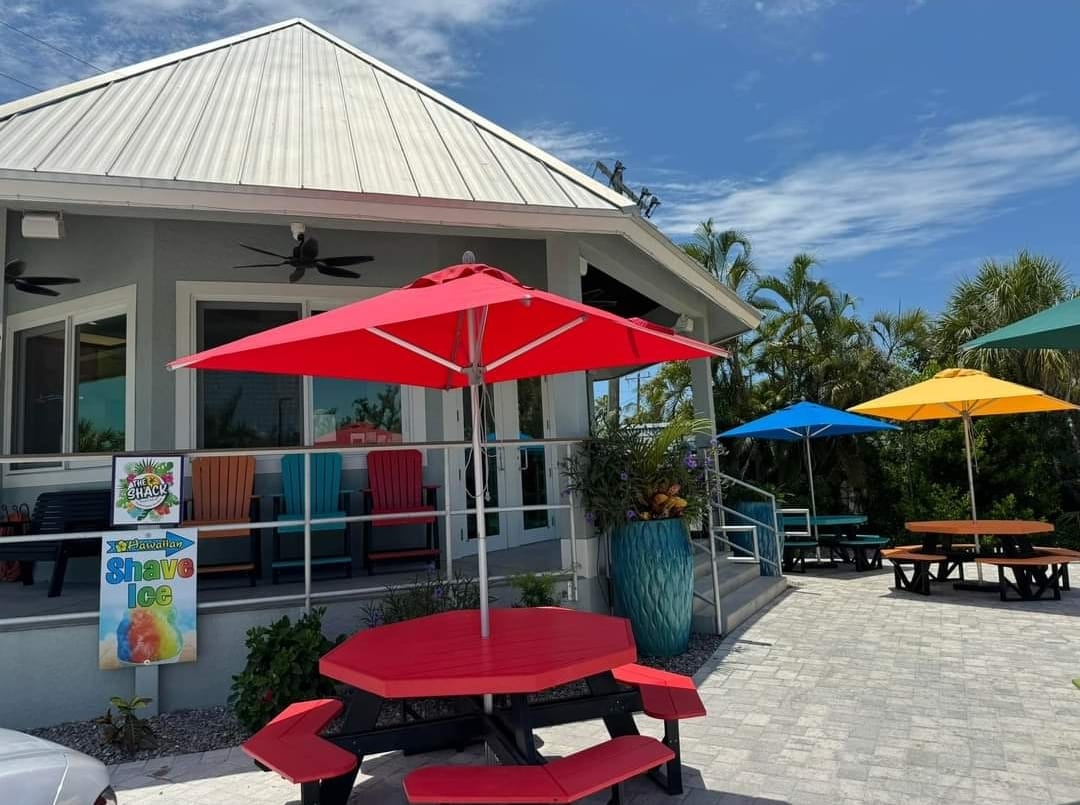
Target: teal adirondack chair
327	500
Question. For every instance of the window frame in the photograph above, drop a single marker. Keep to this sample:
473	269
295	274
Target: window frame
310	297
71	313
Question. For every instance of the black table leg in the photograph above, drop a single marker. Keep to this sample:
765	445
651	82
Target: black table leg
361	714
523	728
673	781
623	724
617	723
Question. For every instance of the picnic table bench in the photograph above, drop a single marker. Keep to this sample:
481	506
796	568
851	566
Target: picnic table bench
1067	555
919	580
1033	576
566	780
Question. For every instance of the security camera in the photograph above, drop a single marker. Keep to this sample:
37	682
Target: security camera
298	230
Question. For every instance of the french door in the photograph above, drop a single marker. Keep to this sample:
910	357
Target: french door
515	476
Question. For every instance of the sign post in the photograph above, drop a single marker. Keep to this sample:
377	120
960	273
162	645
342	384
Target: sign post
148	597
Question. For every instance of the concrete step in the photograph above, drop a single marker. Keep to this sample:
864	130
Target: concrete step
731	576
737	603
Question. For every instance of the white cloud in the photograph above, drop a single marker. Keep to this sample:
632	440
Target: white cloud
425	38
580	147
772	9
845	205
780	132
747	81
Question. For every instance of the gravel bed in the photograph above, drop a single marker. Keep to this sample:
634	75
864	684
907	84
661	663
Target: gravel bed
176	733
202	730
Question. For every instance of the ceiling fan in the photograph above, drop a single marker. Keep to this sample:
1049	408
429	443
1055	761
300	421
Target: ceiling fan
305	255
14	275
598	297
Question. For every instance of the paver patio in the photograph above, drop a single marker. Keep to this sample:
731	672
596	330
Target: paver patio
843	692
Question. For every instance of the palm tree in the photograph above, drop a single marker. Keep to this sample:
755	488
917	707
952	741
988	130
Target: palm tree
902	335
796	305
725	255
999	294
797	299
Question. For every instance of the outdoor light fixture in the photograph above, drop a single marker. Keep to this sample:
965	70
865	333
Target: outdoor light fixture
684	325
468	257
43	225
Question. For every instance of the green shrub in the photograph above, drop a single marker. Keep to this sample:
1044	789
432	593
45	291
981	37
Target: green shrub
282	668
535	589
126	729
427	595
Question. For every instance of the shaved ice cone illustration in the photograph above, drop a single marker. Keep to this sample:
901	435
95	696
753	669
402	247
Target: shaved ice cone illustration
148	635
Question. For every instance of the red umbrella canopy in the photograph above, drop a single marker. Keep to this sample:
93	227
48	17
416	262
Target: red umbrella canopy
422	335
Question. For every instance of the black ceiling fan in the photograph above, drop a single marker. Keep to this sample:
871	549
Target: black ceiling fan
305	255
14	274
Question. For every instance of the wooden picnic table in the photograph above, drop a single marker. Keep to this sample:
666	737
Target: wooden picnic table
443	656
939	533
1034	570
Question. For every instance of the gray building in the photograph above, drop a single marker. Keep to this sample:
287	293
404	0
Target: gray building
147	183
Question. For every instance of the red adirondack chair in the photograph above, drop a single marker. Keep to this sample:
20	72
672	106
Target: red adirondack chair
396	482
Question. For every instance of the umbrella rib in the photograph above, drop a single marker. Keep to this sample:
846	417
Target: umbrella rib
413	348
536	342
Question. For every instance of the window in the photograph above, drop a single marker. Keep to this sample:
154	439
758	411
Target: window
101	385
354	412
38	424
71	377
245	409
241	410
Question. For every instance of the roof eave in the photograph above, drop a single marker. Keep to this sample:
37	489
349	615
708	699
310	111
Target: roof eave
36	189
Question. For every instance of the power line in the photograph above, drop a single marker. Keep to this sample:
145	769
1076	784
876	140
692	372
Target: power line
11	27
20	81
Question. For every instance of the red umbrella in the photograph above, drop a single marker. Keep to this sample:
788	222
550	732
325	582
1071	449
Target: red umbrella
466	325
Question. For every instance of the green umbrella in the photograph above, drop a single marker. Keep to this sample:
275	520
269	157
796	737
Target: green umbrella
1054	328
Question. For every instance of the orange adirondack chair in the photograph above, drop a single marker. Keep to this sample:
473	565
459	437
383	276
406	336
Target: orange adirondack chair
221	492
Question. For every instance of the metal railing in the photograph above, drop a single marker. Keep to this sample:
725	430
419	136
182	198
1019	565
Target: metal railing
448	512
718	530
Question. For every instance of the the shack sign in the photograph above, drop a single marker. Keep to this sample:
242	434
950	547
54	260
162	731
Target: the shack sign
147	490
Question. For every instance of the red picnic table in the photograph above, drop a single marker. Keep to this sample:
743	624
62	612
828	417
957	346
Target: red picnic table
529	650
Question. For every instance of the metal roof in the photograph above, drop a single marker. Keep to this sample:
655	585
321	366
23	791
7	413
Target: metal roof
284	106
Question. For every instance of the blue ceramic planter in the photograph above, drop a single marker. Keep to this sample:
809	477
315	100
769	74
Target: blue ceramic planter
654	584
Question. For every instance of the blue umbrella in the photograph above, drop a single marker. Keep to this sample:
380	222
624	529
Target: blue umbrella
804	421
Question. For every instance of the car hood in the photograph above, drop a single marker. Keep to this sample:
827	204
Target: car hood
31	769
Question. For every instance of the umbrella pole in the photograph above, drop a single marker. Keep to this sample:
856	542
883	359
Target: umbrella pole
479	460
813	498
971	483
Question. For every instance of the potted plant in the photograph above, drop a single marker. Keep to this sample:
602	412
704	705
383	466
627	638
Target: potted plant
642	485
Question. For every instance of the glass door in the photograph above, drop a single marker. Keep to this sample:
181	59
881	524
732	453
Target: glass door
494	471
529	469
516	476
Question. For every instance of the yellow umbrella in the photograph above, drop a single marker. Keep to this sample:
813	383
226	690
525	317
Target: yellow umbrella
961	394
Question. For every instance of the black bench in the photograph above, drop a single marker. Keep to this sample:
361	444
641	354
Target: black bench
919	580
67	512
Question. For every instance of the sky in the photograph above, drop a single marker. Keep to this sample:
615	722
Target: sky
901	142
